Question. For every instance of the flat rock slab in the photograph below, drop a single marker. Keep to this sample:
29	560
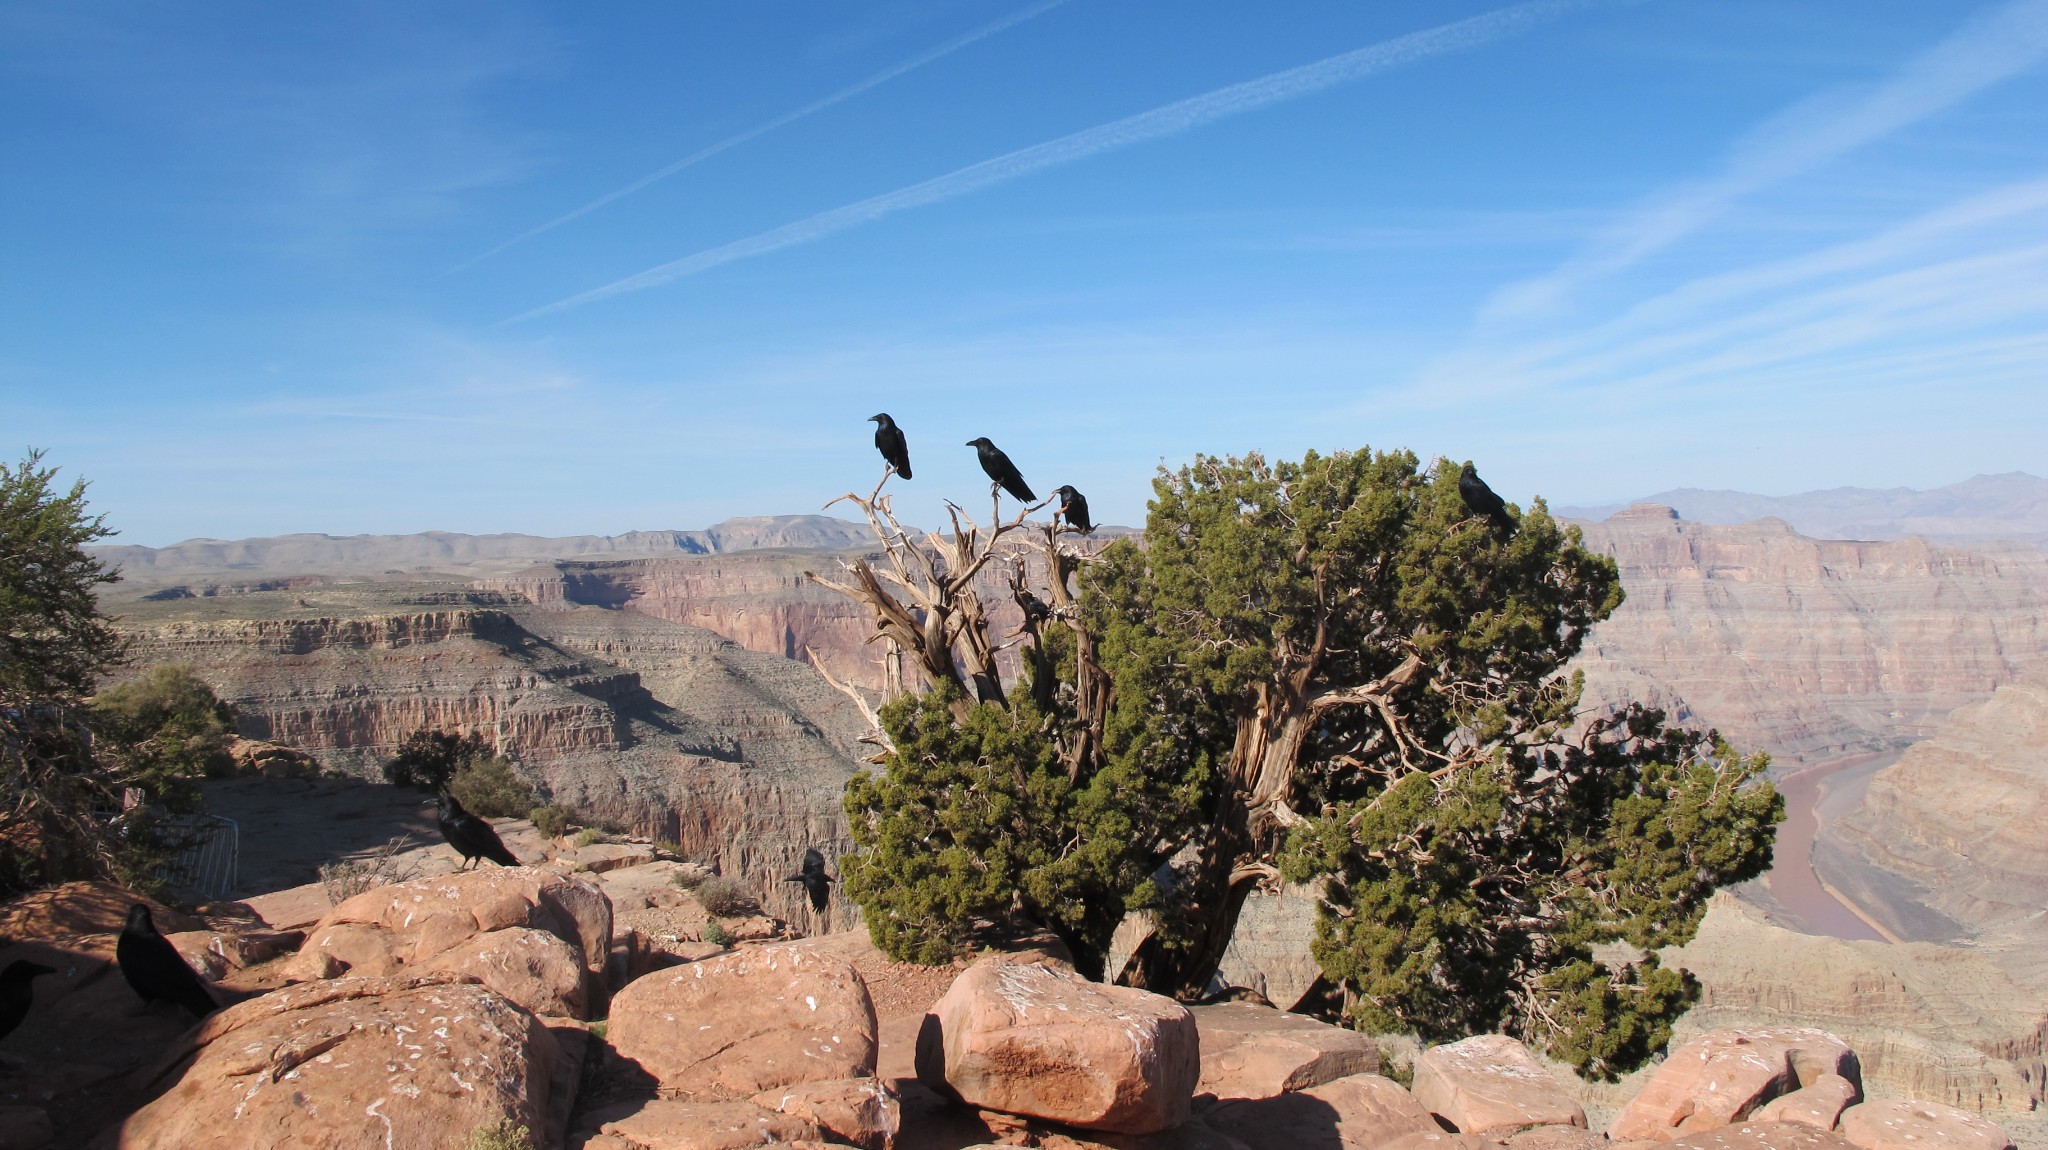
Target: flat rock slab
1762	1136
1258	1052
727	1028
1920	1126
1490	1083
1044	1042
602	857
1722	1076
856	1111
353	1064
1361	1112
1818	1105
664	1124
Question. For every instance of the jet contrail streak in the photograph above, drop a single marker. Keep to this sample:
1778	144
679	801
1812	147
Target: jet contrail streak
705	153
1168	120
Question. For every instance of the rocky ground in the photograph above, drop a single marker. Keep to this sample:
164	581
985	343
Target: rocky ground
578	997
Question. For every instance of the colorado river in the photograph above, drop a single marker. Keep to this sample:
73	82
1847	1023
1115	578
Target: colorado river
1792	880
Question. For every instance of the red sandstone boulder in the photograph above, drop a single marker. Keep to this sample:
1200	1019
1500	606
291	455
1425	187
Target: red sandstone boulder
369	1063
1258	1052
857	1111
1044	1042
1361	1112
435	923
1762	1136
1721	1077
1920	1126
733	1026
1557	1138
1818	1105
531	967
666	1124
1490	1083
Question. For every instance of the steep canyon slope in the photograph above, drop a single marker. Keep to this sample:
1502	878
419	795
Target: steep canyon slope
739	756
1811	649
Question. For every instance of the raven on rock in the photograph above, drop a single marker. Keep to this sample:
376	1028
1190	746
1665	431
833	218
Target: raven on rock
155	969
890	442
816	882
471	836
1001	470
17	992
1480	499
1074	509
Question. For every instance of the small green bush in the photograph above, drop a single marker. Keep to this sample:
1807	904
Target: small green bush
714	932
589	836
489	787
504	1134
669	847
551	820
721	896
689	879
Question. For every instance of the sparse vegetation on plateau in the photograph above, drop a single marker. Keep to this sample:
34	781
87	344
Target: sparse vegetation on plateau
721	896
346	878
716	934
504	1134
551	820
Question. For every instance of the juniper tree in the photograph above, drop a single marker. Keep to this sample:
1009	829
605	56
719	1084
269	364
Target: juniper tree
73	805
1328	671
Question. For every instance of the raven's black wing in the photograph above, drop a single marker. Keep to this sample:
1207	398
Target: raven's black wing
894	448
475	839
155	969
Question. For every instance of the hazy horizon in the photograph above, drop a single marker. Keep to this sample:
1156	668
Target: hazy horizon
549	269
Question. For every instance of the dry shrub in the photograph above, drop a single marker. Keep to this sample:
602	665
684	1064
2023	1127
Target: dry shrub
347	878
722	897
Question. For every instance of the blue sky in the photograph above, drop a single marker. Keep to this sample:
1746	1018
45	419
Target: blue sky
396	267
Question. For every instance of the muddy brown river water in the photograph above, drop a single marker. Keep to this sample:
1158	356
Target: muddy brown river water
1792	880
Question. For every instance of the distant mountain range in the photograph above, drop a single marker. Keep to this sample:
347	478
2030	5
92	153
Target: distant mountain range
473	555
2013	506
2009	506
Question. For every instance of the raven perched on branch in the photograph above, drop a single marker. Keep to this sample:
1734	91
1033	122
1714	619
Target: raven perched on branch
1001	470
1480	499
155	969
890	442
1074	509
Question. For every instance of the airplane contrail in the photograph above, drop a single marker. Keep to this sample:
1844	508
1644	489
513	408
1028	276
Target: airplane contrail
819	105
1167	120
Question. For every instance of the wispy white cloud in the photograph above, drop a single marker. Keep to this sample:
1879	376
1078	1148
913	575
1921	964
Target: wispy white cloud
1959	284
841	96
1993	46
1168	120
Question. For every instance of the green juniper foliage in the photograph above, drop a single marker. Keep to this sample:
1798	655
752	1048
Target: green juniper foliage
70	773
1330	672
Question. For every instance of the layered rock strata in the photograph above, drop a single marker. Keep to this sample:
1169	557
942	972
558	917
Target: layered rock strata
1810	648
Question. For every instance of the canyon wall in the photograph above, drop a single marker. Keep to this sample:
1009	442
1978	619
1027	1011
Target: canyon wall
1809	648
1947	842
741	757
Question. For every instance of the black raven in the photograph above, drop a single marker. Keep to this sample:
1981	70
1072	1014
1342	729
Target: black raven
1001	470
471	836
155	968
1480	499
889	441
816	882
1074	509
17	992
